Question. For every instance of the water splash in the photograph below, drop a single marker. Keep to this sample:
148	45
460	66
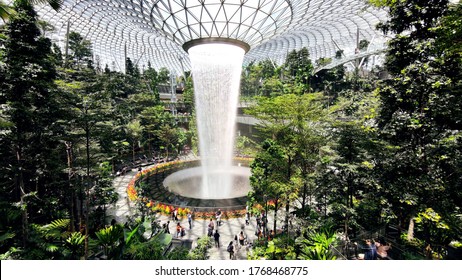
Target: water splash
216	69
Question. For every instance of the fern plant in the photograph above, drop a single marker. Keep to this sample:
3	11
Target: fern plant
317	245
48	241
111	239
74	246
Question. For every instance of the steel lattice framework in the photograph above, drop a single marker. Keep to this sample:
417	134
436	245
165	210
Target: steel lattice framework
155	30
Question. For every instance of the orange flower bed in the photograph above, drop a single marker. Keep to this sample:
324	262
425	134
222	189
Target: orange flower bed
132	194
168	209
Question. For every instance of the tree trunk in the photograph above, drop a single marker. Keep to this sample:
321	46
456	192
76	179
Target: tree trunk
149	145
304	197
87	187
289	175
22	193
276	205
287	217
410	230
24	219
71	188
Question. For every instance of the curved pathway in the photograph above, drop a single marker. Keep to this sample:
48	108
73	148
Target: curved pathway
123	209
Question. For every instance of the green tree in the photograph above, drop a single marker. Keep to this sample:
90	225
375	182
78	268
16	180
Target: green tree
163	76
298	68
6	11
294	123
45	27
420	112
188	95
169	137
346	175
151	78
88	124
268	179
57	55
30	95
152	118
80	49
134	132
262	78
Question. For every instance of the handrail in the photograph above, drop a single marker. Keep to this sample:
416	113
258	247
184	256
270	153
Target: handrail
396	250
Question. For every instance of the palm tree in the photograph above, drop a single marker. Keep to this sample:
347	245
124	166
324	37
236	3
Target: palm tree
55	4
6	11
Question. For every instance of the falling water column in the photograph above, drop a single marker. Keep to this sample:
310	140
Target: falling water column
216	71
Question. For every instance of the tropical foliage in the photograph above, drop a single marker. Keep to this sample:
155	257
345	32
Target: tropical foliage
337	152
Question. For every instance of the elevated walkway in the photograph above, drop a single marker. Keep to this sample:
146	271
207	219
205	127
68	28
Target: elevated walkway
341	61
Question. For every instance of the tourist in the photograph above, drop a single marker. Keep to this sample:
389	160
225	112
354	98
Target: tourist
247	215
164	227
218	216
216	236
370	251
167	227
178	230
382	249
230	250
241	239
190	220
236	242
175	214
182	232
211	227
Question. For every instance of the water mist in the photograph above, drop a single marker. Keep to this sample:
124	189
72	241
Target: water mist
216	70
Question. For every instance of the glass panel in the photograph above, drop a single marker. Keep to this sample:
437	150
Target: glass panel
271	27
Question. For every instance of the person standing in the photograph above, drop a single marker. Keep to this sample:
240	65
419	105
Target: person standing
167	227
190	220
211	227
216	236
247	215
230	250
241	239
218	216
247	218
382	249
257	217
178	230
370	252
175	214
236	242
264	225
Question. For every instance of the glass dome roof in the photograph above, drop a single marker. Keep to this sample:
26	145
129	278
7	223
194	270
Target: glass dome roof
155	30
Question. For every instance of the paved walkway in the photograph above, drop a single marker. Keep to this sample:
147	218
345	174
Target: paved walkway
228	229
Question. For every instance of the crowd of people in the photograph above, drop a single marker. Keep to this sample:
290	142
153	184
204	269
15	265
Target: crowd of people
239	240
374	250
370	250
